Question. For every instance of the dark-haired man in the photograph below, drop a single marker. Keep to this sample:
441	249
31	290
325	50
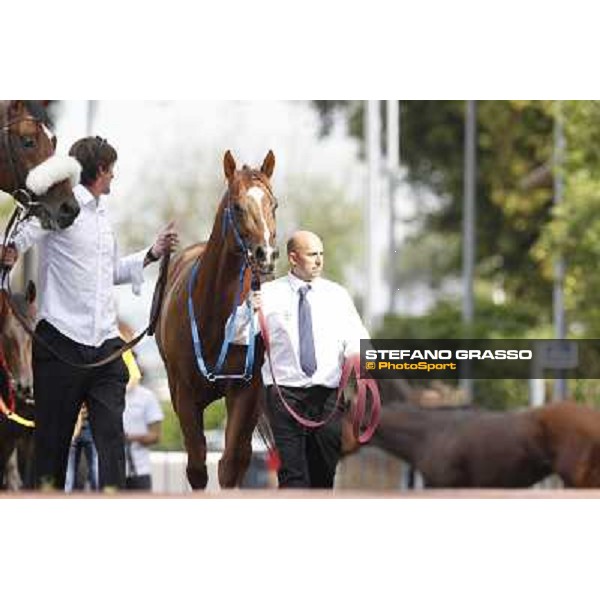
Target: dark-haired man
78	267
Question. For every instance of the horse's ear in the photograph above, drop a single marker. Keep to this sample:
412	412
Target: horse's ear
30	292
268	165
15	107
228	165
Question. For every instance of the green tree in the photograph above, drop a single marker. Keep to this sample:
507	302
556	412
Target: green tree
574	231
514	190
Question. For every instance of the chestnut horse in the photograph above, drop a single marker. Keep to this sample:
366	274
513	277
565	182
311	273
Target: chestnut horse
16	375
205	284
475	448
37	180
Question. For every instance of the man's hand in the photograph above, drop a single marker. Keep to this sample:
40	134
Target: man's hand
167	239
8	256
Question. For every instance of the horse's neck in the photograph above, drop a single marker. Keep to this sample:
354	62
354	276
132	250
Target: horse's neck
561	421
403	430
218	281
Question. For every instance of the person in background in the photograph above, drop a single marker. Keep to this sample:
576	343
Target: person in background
82	444
142	421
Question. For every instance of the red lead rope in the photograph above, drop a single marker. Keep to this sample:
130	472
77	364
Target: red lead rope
359	408
358	411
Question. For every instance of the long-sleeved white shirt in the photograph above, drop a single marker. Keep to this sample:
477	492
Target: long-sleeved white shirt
337	330
78	267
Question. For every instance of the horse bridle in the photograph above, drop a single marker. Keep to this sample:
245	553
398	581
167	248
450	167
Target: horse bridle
230	220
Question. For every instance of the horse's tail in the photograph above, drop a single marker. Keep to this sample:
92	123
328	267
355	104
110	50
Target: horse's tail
266	435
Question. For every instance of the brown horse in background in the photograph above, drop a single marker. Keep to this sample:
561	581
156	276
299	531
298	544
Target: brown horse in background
16	380
241	243
29	171
473	448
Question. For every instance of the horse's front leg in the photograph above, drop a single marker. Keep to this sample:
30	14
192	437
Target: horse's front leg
242	415
191	420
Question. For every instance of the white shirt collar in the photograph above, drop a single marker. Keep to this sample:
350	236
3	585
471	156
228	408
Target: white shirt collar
84	196
296	283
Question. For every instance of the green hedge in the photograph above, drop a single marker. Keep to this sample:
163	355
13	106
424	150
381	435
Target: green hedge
172	438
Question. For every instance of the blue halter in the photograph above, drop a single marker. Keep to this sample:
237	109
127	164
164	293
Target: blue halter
215	374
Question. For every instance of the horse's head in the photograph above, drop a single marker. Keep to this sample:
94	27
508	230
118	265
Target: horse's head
29	170
15	342
249	212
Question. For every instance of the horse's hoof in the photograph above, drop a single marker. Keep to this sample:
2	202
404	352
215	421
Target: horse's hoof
198	478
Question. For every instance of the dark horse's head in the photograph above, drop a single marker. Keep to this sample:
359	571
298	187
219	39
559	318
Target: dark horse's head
29	171
249	212
15	344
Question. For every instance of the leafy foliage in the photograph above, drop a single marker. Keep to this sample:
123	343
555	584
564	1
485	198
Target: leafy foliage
574	231
514	188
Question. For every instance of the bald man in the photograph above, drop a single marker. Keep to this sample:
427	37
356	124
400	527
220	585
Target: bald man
313	326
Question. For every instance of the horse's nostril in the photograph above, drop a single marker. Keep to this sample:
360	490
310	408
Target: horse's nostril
68	210
276	254
67	213
260	254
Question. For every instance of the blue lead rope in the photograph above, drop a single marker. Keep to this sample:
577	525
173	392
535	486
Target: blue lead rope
229	333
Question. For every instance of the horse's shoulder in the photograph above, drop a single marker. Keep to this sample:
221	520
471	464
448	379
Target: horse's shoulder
183	261
191	252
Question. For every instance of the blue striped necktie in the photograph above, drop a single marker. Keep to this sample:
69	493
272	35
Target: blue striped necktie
308	361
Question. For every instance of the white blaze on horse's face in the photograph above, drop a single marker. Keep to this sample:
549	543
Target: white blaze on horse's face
48	133
257	194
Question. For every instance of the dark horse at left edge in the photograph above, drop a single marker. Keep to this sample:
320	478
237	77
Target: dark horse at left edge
30	173
16	384
206	282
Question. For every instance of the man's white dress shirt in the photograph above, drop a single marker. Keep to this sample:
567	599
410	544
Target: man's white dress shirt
337	330
78	267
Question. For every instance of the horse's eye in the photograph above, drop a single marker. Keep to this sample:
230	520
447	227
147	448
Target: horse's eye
238	209
28	142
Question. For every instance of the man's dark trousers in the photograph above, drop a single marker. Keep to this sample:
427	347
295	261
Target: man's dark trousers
309	456
60	390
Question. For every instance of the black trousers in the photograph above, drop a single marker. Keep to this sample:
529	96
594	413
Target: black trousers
60	390
309	456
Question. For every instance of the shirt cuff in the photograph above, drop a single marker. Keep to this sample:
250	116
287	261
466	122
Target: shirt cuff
137	271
